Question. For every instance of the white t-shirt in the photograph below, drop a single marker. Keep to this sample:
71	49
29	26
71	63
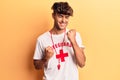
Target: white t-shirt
68	66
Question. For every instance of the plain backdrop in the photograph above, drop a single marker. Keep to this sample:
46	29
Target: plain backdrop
22	21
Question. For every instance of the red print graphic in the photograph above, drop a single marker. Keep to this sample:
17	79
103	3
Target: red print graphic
58	66
62	55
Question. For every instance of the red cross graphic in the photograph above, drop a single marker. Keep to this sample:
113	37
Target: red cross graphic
62	55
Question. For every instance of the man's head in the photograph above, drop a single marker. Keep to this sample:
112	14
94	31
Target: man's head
62	8
61	13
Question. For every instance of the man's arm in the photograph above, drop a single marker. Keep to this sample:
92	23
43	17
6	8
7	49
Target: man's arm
39	64
79	53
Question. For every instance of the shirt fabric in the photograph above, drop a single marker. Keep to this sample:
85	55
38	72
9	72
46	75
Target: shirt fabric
68	66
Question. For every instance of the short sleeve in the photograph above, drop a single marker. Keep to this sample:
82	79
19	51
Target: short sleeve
38	53
79	40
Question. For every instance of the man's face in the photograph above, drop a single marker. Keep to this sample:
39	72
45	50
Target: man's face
60	21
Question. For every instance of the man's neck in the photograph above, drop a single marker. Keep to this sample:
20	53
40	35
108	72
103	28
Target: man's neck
56	31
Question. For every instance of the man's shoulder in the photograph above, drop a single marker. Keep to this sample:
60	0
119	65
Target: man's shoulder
43	35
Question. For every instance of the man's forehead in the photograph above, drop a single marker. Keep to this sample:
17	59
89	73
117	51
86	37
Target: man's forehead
63	14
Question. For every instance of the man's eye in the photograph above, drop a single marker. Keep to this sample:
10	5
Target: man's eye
60	15
66	17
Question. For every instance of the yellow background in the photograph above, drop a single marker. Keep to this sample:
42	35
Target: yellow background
22	21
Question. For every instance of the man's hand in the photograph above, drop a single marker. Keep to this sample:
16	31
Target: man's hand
39	64
71	35
48	53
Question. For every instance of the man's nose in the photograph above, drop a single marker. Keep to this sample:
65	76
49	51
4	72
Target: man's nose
63	19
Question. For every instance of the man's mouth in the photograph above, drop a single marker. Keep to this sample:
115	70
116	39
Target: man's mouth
63	24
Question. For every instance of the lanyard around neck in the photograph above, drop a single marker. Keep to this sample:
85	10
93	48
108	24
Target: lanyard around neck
53	40
55	48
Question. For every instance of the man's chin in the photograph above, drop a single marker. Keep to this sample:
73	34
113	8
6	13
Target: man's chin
62	28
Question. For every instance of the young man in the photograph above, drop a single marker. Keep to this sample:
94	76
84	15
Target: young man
60	50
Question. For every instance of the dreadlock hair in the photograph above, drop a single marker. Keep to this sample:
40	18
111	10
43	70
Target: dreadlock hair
62	8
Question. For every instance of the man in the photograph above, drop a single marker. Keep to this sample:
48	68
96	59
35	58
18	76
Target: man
60	50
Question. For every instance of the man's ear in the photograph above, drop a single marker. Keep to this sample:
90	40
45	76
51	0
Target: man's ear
53	15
